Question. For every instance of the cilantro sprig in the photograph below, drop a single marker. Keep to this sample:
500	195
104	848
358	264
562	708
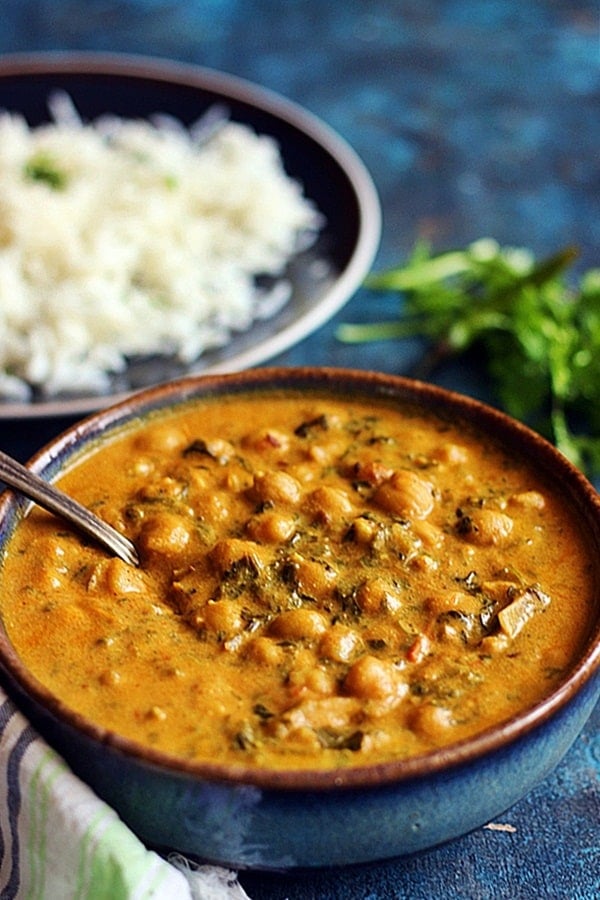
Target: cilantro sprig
539	336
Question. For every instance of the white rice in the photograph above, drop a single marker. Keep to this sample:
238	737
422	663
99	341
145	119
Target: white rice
152	244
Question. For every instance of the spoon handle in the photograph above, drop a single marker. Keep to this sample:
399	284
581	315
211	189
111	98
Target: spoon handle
24	480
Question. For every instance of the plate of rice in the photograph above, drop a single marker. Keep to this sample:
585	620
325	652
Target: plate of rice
159	219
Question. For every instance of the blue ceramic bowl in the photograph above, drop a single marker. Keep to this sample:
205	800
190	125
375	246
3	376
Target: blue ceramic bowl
282	820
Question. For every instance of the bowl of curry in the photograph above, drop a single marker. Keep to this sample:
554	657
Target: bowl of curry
366	619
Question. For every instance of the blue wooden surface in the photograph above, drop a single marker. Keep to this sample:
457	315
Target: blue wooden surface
475	117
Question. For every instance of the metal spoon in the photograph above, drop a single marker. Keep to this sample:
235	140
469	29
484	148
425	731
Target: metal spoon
50	498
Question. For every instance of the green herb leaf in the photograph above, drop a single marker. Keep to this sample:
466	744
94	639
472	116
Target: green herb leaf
43	167
262	711
334	741
539	336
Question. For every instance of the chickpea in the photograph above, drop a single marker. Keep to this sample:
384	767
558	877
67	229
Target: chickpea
237	480
406	494
322	712
494	644
117	577
325	453
446	601
299	624
320	681
165	534
424	563
304	473
528	500
303	663
429	535
331	505
403	541
432	722
213	507
218	449
313	579
377	594
272	527
302	737
53	571
489	527
265	651
340	643
223	617
276	487
200	480
319	454
370	678
451	453
226	553
167	487
363	530
162	439
499	591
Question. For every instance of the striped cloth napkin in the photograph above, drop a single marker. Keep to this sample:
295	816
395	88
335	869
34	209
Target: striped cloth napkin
59	841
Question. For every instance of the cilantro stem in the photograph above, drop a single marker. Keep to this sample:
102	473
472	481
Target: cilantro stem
375	331
420	273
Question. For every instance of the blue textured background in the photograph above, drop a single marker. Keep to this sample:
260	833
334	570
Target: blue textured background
475	117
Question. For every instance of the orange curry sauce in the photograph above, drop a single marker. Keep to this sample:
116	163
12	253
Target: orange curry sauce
324	583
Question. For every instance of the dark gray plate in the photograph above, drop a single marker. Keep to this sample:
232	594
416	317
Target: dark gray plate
322	279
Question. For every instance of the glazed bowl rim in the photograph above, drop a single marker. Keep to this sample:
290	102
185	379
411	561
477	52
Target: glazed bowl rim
580	493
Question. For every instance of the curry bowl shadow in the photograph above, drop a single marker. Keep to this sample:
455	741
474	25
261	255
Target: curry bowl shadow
248	816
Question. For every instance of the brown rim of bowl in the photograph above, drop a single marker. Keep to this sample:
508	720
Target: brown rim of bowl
580	494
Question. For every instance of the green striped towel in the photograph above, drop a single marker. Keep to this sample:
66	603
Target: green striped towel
59	841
